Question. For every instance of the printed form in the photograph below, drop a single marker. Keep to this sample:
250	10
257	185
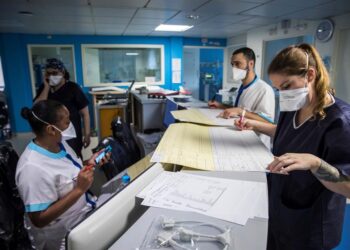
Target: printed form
225	199
212	148
204	116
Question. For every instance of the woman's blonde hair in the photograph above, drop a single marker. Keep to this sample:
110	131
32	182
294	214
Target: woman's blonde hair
296	60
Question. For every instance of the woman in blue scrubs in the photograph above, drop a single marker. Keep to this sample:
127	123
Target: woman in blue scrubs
311	147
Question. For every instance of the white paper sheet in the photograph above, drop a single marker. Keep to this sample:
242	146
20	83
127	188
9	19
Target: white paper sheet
219	121
238	150
231	200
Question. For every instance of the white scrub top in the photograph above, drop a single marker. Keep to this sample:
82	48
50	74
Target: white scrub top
260	99
43	178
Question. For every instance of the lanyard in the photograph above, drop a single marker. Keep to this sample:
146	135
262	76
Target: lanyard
241	88
75	163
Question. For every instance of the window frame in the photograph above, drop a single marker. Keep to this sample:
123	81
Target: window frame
29	49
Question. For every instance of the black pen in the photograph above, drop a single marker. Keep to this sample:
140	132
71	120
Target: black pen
213	98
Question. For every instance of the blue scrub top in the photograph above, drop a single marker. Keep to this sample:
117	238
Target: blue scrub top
302	212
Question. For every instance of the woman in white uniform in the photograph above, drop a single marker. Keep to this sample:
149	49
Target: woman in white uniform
52	181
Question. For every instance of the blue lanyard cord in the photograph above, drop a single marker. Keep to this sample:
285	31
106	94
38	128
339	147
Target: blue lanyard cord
75	163
241	88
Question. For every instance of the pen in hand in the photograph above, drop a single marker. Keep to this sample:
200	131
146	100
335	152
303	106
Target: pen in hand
241	119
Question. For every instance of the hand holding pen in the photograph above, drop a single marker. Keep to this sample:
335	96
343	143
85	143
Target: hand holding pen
241	119
85	178
212	103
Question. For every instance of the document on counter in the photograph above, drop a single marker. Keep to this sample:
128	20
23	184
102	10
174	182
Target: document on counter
186	144
225	199
203	116
212	148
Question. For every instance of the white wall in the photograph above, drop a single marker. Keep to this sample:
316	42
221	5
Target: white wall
255	39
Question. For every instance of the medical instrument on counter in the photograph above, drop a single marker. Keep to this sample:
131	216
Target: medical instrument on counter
175	234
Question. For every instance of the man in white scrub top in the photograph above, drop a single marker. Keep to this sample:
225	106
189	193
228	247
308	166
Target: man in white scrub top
254	95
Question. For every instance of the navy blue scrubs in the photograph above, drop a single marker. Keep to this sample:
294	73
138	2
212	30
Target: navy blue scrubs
73	97
303	214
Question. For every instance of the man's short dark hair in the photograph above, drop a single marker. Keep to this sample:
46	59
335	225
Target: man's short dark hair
247	52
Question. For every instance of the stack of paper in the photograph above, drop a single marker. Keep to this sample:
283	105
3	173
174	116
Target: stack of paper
226	199
203	116
212	148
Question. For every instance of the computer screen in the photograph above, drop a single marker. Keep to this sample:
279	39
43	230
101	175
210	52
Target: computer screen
168	118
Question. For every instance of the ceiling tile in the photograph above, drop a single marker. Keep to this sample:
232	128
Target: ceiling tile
65	19
226	19
119	3
113	12
303	3
111	20
273	9
110	32
60	2
147	21
225	6
57	10
183	5
257	1
258	21
183	18
155	13
140	27
322	11
100	27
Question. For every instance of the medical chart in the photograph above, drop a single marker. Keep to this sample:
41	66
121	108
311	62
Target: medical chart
212	148
203	116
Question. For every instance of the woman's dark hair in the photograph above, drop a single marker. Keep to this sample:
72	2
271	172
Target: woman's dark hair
66	75
46	110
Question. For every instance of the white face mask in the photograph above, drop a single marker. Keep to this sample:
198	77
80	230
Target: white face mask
238	74
68	133
294	99
55	80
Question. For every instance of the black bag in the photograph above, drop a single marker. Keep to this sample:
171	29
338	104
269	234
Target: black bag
125	151
13	235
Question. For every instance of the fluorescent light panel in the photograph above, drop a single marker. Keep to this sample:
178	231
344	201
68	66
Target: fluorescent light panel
170	27
132	54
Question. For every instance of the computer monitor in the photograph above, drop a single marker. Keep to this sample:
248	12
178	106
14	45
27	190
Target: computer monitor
109	221
167	117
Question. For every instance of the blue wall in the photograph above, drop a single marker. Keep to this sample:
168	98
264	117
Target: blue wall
14	55
345	241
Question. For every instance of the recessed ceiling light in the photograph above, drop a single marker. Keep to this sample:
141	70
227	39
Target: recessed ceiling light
26	13
193	17
171	27
131	53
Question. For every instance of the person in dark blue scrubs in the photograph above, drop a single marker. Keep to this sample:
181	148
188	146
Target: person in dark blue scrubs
310	173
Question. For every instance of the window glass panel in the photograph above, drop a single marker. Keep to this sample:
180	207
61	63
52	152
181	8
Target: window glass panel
38	56
103	66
